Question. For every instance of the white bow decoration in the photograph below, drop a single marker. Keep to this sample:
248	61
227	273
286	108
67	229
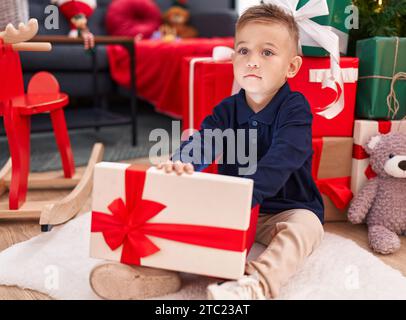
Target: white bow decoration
314	34
222	53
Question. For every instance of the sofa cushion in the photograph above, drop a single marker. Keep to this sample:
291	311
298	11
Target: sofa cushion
132	17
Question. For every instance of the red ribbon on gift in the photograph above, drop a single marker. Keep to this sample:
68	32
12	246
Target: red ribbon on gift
359	153
128	226
337	189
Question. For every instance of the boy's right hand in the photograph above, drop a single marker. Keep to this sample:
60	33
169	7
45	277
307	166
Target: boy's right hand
178	166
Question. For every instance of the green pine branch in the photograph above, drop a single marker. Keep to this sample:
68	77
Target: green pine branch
387	20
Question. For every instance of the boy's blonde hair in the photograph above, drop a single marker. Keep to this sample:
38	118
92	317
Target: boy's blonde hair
266	13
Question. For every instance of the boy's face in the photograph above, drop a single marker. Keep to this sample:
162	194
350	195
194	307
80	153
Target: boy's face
265	56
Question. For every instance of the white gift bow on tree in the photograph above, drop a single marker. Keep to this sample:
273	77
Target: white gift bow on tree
314	34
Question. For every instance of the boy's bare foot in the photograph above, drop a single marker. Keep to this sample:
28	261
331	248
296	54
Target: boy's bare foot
116	281
177	166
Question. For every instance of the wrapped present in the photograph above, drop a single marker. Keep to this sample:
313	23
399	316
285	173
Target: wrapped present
316	18
211	81
382	81
199	223
331	171
317	36
334	21
363	131
208	81
309	81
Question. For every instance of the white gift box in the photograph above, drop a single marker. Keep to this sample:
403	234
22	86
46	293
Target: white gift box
364	130
198	200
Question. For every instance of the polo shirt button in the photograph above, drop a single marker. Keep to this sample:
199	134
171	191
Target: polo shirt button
254	123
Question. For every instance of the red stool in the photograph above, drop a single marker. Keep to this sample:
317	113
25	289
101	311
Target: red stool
43	96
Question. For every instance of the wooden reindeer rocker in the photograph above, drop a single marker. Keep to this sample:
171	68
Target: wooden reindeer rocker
16	107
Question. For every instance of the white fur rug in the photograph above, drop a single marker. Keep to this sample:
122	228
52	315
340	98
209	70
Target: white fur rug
57	263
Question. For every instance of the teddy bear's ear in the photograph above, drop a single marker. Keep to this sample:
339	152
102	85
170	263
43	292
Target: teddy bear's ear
372	143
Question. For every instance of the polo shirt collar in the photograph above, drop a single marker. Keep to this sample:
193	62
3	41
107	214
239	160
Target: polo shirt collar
267	114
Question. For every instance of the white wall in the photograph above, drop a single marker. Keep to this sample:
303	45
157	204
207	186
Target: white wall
244	4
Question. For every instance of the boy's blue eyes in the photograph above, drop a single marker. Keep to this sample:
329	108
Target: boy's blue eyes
243	51
266	52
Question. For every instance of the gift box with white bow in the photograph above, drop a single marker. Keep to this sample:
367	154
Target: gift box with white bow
199	223
364	130
307	14
320	22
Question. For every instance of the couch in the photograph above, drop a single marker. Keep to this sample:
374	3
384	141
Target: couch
72	66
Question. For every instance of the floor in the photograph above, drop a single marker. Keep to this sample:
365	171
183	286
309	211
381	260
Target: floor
12	232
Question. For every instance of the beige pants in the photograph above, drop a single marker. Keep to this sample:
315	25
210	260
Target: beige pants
290	237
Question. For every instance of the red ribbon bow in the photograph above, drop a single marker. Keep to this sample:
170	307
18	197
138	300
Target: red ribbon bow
121	229
337	189
128	226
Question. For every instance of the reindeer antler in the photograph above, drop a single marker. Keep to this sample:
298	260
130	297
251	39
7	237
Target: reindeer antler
24	32
18	37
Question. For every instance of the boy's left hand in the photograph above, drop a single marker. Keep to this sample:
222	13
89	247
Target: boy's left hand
177	166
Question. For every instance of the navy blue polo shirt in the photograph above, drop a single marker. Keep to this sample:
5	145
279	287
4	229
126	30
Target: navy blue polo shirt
283	144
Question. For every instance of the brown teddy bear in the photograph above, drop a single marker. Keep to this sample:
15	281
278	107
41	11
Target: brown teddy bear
381	203
176	20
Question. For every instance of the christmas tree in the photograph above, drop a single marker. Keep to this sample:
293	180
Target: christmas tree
384	18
